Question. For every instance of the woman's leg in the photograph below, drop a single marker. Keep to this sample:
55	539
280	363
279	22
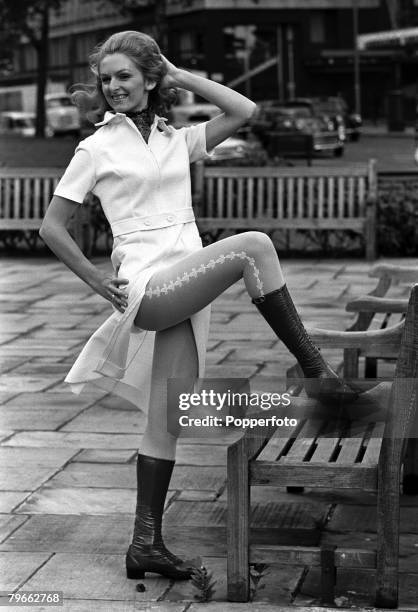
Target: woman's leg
176	292
175	356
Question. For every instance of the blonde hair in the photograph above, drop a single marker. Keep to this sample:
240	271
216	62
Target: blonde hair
145	53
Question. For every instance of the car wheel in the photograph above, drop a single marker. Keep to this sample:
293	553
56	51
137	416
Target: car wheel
339	152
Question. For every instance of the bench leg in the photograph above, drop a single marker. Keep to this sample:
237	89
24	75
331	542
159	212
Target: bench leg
410	475
388	515
238	524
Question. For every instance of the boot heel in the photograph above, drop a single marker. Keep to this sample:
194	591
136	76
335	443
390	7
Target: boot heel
133	573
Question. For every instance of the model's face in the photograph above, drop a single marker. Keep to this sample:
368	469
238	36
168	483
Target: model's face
123	84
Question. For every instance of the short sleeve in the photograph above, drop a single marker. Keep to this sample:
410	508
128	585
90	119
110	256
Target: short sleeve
195	136
79	178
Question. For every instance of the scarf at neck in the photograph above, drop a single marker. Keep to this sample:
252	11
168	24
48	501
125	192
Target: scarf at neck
143	120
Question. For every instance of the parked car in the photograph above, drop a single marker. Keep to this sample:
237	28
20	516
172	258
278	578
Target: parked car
296	117
188	114
335	109
62	115
17	122
240	147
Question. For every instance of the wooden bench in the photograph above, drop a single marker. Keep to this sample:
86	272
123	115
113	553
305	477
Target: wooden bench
25	194
319	452
377	310
270	199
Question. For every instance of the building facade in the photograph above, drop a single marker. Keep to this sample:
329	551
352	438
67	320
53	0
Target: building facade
269	49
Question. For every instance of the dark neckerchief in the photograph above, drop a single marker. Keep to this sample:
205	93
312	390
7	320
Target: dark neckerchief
143	120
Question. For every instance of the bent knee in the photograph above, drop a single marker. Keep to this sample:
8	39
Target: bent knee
258	242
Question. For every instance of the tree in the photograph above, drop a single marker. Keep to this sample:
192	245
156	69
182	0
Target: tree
30	19
159	15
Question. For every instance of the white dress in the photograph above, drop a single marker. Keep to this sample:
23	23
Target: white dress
145	194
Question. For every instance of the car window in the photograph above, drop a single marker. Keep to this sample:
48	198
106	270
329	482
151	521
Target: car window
57	102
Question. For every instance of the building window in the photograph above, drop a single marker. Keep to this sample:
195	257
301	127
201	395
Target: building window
29	58
58	51
85	44
190	46
317	28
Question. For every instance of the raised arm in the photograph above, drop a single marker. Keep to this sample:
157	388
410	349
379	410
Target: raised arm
237	109
55	234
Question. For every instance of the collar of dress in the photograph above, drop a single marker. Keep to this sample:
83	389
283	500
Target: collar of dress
110	117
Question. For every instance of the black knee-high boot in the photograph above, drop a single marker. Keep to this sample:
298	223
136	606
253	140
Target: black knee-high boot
147	553
321	382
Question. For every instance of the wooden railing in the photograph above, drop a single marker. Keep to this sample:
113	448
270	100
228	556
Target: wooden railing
269	198
25	194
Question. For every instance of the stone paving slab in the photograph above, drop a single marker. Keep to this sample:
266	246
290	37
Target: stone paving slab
100	419
10	499
348	518
79	501
16	567
408	560
278	591
56	440
49	400
92	576
90	475
70	533
204	454
102	605
20	384
35	418
9	523
38	366
355	588
104	456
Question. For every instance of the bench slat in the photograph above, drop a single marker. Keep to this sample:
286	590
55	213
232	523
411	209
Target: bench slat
240	197
210	199
350	199
325	449
230	197
207	223
322	475
350	449
330	201
259	211
361	196
300	555
37	209
304	441
320	202
219	198
280	198
250	198
371	456
6	204
26	198
278	442
300	191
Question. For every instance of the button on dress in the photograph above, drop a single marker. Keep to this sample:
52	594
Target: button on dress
145	193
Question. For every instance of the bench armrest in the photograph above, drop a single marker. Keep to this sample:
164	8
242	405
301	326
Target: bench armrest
395	272
381	338
377	304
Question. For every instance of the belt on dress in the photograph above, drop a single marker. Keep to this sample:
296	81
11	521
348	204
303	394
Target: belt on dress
151	222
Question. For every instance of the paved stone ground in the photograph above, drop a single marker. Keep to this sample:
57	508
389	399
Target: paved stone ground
67	474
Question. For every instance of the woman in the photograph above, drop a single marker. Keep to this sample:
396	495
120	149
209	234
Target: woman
164	280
